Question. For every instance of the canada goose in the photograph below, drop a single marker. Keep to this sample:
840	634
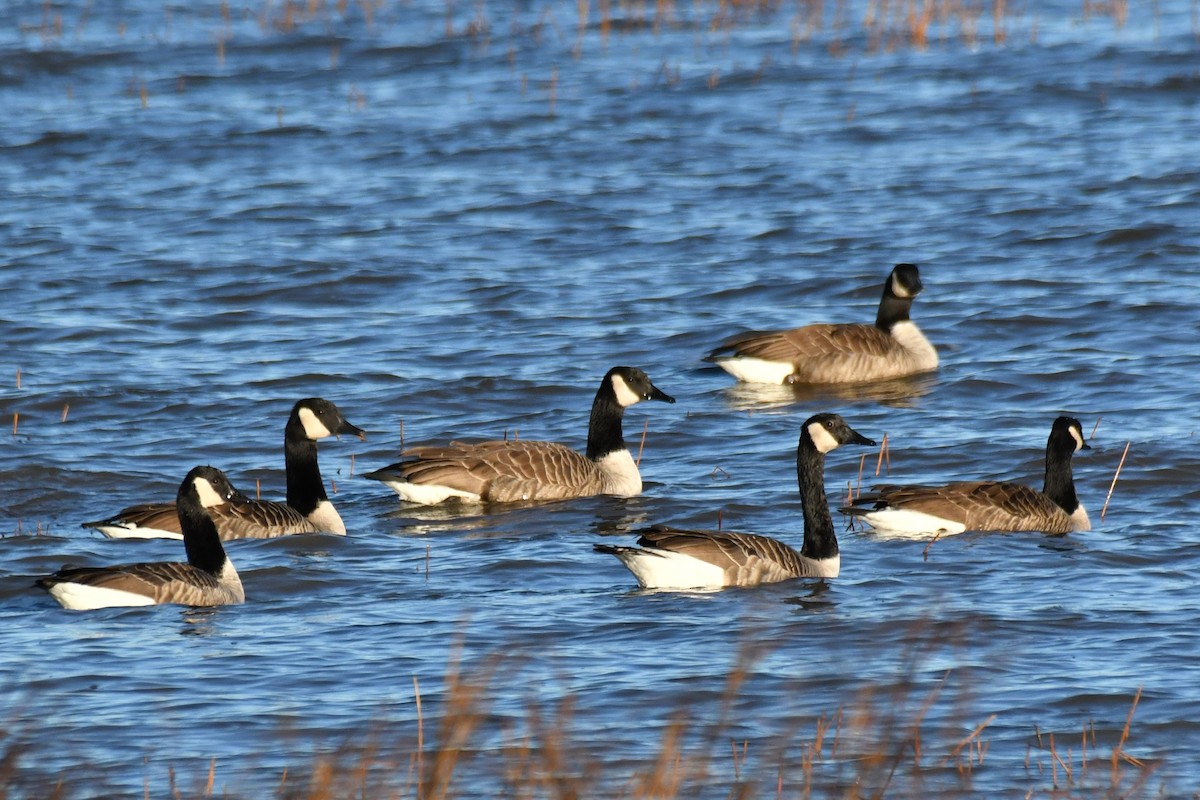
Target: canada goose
206	579
843	353
667	558
516	469
986	505
308	509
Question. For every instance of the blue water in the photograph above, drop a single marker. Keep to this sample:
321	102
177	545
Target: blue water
455	218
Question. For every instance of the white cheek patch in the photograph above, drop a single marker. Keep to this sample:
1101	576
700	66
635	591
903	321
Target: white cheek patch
1077	435
209	497
898	288
625	396
822	438
313	427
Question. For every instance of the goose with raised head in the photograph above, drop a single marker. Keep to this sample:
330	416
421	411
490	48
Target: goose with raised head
307	510
986	505
672	558
519	470
207	578
894	347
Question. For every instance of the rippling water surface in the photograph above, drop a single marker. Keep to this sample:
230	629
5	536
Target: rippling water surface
451	219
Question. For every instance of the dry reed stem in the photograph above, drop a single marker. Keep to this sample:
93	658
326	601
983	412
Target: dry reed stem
884	452
66	408
1113	485
16	415
18	377
925	552
1094	427
420	754
645	427
257	489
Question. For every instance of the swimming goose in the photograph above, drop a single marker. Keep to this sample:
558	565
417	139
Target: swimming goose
307	510
669	558
986	505
516	469
206	579
843	353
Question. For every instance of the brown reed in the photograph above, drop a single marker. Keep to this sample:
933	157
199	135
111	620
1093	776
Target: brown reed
1113	485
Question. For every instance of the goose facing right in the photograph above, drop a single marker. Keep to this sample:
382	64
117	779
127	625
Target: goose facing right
307	510
207	578
515	470
671	558
986	505
893	347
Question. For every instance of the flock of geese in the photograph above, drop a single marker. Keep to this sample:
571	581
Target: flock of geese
208	510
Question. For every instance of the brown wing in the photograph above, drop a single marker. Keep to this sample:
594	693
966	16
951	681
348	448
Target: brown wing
259	519
160	516
980	505
237	519
822	353
163	582
746	558
504	471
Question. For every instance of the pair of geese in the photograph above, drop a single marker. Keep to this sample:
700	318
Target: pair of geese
208	509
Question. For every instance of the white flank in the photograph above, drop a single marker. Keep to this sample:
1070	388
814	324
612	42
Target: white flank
663	569
81	597
327	519
313	427
621	475
899	520
756	370
209	497
230	579
428	494
1080	519
822	438
625	396
126	531
909	336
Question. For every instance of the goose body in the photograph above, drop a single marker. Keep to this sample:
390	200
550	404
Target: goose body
894	347
521	470
672	558
207	578
986	505
307	510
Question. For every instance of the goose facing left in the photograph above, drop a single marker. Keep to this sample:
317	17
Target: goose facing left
307	510
516	470
207	578
672	558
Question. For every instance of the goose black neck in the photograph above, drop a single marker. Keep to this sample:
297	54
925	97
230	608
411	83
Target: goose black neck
305	489
200	538
892	309
1059	485
820	541
604	428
